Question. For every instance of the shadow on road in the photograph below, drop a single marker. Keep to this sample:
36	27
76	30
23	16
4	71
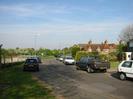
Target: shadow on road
116	75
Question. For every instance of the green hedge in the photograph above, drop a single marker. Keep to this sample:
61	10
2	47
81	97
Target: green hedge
80	54
110	57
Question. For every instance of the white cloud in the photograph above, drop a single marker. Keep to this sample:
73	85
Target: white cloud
33	9
26	9
58	29
59	35
16	9
51	28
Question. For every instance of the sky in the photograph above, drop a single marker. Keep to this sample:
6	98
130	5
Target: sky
56	24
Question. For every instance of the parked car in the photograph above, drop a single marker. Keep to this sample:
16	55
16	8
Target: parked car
31	64
91	64
57	58
61	58
35	57
68	60
125	69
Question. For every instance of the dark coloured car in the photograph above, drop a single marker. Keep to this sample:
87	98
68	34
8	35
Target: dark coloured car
37	58
31	64
92	64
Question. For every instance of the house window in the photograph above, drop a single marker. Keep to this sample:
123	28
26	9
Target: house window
89	49
106	50
131	44
98	49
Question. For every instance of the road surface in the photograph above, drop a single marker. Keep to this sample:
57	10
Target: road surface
77	84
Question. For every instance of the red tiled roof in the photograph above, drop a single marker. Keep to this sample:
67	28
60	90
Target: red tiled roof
94	47
105	46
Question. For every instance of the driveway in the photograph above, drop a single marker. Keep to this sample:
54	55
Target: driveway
77	84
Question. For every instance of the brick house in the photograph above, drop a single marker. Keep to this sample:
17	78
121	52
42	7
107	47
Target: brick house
104	47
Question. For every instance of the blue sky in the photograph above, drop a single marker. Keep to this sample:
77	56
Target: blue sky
61	23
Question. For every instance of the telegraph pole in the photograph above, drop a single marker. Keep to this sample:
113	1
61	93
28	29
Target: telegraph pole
1	55
35	43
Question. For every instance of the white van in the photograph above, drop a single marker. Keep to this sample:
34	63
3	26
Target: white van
125	69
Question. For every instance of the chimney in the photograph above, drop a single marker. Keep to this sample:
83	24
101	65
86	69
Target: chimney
90	42
105	42
120	42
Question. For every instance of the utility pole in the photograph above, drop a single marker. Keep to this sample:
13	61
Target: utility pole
35	43
1	55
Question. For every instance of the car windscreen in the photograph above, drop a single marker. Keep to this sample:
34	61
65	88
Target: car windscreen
31	61
69	58
127	64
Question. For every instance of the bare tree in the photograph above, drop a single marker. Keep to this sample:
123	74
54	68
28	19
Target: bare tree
127	33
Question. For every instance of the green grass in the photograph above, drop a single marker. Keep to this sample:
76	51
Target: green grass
114	64
16	84
47	57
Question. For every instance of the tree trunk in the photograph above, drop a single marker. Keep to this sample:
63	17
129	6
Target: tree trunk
11	59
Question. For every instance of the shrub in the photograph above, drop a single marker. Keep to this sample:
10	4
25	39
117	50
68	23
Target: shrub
103	56
74	50
113	56
110	57
80	54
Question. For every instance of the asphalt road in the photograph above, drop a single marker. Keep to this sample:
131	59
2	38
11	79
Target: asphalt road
77	84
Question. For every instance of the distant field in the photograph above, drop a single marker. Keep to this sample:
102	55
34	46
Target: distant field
16	84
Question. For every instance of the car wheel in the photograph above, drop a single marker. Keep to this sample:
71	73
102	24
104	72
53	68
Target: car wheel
105	70
77	68
24	69
38	69
90	70
122	76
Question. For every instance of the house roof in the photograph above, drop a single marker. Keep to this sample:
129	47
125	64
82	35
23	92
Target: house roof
94	47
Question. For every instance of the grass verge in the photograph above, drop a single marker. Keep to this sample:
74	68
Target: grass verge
114	64
16	84
47	57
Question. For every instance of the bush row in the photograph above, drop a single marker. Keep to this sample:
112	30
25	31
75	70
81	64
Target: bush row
110	57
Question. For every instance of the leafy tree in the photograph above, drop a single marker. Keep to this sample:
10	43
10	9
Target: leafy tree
56	52
74	50
4	55
41	52
48	52
120	48
119	52
11	53
66	51
44	52
80	54
112	56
